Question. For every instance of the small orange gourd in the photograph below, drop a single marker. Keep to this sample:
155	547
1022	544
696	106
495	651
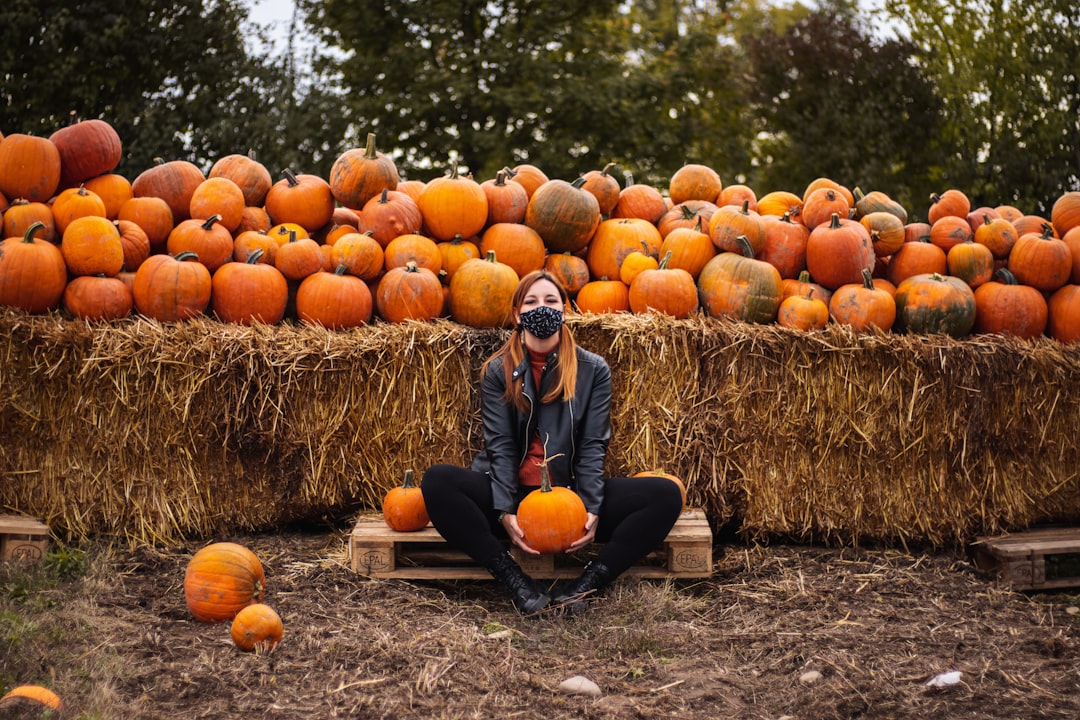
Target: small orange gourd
257	627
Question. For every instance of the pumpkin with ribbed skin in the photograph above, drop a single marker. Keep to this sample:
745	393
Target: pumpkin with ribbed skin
208	239
997	234
604	186
413	248
603	296
257	627
171	289
334	300
779	203
298	258
389	215
247	242
358	175
218	196
453	205
564	215
804	312
738	195
174	182
29	167
730	222
517	245
572	271
481	293
552	518
87	149
114	190
32	272
409	292
403	507
31	695
22	213
785	245
933	303
91	245
694	181
250	175
971	262
74	203
1006	307
249	292
636	263
740	286
614	239
951	203
455	253
528	176
838	251
302	198
360	253
829	184
689	214
950	230
666	290
1042	261
1065	212
1063	314
97	297
153	215
506	200
877	201
690	248
863	306
639	201
886	232
802	285
917	257
221	579
820	205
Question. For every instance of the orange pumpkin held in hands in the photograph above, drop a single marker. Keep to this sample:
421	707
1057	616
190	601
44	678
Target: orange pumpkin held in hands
257	627
551	518
403	507
221	580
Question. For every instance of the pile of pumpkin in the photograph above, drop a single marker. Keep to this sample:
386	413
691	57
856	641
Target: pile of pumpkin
175	243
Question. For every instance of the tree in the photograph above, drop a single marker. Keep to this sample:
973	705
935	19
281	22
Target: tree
176	80
1009	75
834	102
565	85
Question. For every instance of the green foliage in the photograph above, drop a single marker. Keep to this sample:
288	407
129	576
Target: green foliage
837	103
1009	76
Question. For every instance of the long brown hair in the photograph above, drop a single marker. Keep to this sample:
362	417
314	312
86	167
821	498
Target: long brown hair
513	351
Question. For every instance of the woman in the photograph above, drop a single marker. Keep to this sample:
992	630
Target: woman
543	397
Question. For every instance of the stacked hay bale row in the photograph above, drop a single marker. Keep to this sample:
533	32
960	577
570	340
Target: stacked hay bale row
160	432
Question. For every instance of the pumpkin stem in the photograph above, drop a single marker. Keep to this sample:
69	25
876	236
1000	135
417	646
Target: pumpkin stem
291	177
834	223
340	269
408	481
186	255
664	261
579	182
453	170
607	169
369	148
490	257
209	224
28	236
411	266
1005	276
867	279
385	197
745	246
253	258
500	178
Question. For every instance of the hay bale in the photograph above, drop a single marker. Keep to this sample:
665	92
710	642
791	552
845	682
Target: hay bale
156	433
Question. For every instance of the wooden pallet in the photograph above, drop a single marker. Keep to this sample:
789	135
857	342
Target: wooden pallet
1042	559
22	539
377	551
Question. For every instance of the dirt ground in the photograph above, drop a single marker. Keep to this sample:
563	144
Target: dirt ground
108	630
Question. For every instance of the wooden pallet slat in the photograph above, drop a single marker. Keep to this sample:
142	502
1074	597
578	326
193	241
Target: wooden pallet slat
1041	559
23	539
377	551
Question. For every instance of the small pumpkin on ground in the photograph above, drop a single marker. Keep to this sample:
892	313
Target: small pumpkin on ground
257	627
403	506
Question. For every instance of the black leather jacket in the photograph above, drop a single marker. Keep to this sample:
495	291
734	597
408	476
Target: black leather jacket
577	431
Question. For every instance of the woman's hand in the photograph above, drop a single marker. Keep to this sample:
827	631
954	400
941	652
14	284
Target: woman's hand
590	533
510	524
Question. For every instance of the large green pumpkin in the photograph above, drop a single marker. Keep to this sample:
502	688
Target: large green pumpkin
738	286
933	303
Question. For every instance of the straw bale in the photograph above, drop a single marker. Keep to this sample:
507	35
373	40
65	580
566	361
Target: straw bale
156	433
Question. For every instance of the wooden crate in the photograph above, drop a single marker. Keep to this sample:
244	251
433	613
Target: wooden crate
377	551
22	539
1041	559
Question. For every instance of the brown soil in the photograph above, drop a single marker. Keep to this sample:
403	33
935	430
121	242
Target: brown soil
115	641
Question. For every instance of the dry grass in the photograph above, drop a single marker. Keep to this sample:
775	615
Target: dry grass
158	434
117	642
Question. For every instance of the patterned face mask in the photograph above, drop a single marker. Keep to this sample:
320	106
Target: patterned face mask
542	322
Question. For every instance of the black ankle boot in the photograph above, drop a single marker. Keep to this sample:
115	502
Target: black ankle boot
574	596
527	598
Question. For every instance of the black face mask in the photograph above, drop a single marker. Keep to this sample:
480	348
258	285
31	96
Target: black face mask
542	322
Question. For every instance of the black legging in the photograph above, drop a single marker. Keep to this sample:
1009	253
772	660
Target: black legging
636	516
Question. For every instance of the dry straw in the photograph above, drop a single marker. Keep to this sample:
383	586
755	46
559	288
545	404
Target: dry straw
157	433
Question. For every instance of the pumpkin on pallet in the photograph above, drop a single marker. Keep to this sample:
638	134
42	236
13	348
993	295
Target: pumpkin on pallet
403	507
